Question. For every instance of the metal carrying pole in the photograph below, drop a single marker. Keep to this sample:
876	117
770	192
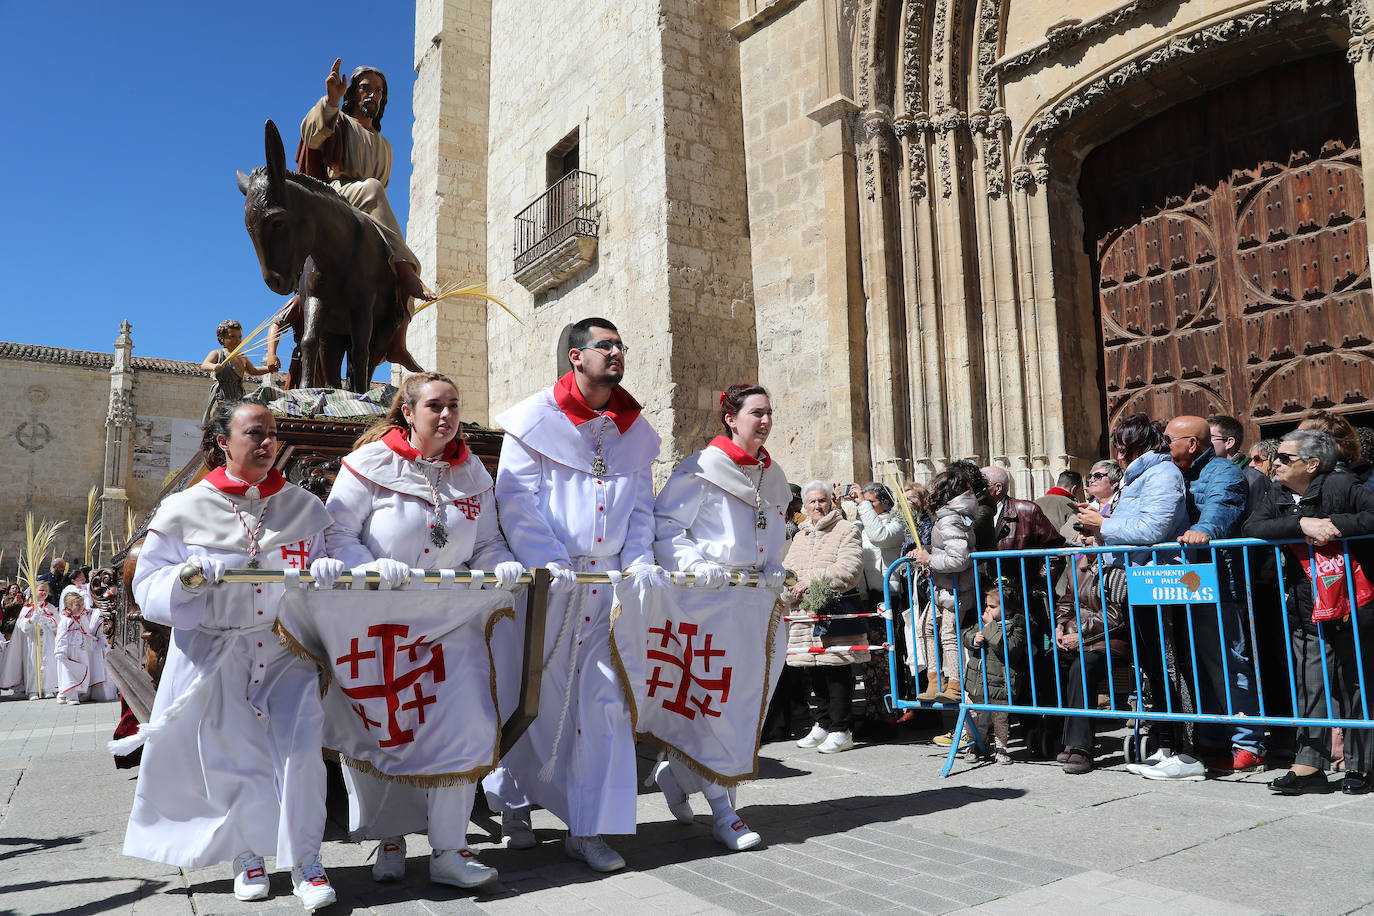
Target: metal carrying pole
464	576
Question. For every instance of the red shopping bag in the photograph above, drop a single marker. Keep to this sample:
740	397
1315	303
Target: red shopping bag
1330	597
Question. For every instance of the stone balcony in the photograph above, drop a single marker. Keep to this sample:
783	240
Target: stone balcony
556	235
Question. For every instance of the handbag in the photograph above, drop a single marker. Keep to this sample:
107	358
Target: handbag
1330	597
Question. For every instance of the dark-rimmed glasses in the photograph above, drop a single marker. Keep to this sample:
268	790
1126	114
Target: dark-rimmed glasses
608	346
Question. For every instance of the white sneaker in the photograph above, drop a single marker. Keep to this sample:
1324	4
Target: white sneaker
836	742
312	884
734	834
1179	766
1154	759
250	877
515	827
814	737
594	851
673	794
391	859
459	867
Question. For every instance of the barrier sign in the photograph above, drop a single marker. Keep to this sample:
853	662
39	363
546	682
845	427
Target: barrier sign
1192	583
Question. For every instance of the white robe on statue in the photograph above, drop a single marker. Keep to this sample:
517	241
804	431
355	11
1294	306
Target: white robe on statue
708	512
554	510
383	507
232	760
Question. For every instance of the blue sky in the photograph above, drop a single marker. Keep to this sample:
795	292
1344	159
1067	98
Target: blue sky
127	121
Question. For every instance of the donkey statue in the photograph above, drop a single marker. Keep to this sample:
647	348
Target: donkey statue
311	241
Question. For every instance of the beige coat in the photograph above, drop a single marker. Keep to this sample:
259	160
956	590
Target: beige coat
832	547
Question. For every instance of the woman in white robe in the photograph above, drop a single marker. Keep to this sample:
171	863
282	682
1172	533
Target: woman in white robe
722	510
412	496
232	767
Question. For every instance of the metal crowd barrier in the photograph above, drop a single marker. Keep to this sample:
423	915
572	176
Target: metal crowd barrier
1173	581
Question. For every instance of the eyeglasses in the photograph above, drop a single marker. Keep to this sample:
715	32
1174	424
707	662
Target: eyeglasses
1258	459
1170	440
1285	459
608	346
1097	475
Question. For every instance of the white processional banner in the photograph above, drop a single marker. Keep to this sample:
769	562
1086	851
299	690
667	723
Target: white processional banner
713	659
412	691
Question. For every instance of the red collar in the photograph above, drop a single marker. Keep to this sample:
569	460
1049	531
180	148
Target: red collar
219	479
740	456
621	408
1058	491
456	452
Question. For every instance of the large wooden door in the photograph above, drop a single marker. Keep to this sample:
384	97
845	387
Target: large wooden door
1250	294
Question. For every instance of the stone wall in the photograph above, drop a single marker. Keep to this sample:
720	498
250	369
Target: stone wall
448	223
53	422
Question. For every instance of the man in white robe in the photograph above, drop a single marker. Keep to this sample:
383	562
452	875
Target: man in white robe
575	493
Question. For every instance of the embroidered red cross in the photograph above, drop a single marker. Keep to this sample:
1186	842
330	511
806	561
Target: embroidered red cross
470	506
420	701
353	657
362	714
683	701
296	555
393	685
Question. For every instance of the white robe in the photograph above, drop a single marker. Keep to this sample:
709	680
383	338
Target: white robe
707	511
45	621
75	645
553	510
98	686
238	767
382	507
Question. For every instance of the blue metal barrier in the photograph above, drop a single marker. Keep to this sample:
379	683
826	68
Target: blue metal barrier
1175	600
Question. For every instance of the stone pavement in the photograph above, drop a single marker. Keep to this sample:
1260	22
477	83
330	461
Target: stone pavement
873	830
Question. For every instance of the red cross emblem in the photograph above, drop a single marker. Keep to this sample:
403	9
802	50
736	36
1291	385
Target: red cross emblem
394	685
296	555
681	700
470	506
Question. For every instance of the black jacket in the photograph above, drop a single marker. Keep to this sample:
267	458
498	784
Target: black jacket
1338	496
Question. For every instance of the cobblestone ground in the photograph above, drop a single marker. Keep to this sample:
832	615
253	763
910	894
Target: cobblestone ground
873	830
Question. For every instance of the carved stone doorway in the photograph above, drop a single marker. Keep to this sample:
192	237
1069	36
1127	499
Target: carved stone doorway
1231	262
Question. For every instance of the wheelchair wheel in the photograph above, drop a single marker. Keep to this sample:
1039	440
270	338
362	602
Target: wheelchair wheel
1137	747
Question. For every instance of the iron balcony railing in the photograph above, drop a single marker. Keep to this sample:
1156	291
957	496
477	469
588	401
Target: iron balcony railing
567	209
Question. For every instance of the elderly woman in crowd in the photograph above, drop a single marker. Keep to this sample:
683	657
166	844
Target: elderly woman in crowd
883	529
1311	499
1261	457
827	557
1350	457
946	556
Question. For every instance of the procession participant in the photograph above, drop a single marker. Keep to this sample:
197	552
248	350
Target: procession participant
90	645
342	144
575	493
72	646
232	768
722	510
411	496
38	620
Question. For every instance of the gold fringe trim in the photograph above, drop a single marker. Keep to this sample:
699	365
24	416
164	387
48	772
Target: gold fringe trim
437	780
507	613
696	766
625	687
293	645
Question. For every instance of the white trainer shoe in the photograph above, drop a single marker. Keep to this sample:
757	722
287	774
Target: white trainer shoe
734	834
836	742
311	884
1153	760
1179	766
673	794
515	827
250	877
391	859
814	737
594	851
459	867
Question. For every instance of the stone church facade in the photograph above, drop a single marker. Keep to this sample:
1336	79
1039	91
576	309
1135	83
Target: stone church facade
933	228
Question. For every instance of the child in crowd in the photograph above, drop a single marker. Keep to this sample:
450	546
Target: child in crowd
996	647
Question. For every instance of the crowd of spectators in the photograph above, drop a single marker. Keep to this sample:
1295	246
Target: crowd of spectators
1063	621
